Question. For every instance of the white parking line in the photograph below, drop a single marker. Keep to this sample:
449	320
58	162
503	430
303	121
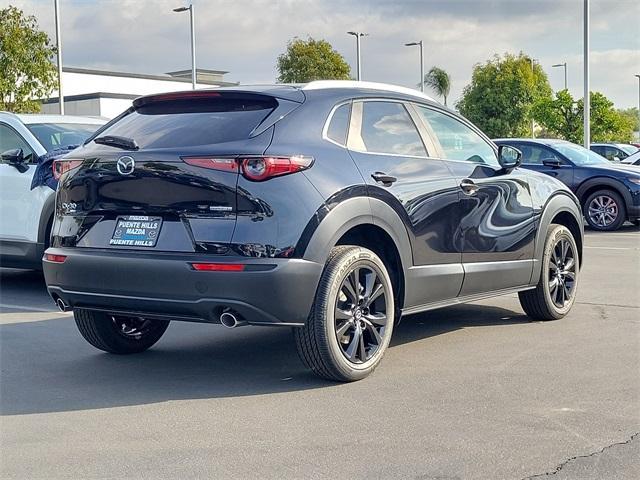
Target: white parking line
28	309
610	248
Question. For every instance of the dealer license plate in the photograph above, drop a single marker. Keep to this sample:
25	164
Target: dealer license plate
136	231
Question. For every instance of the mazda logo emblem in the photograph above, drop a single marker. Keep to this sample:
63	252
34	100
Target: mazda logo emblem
126	165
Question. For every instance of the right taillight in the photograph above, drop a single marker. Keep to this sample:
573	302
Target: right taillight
63	165
258	169
254	168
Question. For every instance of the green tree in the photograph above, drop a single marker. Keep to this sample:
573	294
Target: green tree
632	115
26	71
501	95
439	81
308	60
562	116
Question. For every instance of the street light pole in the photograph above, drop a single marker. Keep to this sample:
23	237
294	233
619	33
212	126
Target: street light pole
59	48
587	97
564	65
533	72
411	44
638	76
193	41
358	63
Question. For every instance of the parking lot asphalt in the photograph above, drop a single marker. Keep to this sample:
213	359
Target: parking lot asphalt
473	391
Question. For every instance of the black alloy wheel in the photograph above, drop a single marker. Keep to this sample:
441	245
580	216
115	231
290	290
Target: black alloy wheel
562	273
360	314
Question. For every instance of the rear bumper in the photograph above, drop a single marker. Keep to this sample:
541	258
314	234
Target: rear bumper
269	291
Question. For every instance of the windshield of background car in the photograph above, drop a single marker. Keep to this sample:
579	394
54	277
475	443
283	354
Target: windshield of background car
580	155
628	149
53	136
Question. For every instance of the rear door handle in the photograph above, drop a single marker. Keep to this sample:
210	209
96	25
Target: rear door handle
468	186
383	178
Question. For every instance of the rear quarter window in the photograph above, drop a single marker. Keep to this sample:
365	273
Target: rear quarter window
339	124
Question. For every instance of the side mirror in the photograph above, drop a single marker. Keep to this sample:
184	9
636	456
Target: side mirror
509	157
15	158
552	162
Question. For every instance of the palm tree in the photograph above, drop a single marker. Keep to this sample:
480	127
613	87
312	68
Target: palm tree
439	81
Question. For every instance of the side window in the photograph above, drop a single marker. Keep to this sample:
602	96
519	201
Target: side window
534	154
457	141
10	140
386	127
613	152
339	124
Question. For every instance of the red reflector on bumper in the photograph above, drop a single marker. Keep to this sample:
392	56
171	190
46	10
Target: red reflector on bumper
50	257
218	267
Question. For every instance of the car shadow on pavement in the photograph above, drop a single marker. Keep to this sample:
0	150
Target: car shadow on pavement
47	367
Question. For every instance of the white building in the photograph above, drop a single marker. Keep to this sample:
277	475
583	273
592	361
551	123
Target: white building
107	94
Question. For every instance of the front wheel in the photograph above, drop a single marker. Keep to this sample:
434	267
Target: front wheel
351	321
117	333
555	293
604	210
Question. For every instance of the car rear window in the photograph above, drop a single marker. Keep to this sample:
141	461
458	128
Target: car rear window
180	123
55	136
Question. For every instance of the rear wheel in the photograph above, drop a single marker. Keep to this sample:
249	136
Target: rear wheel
555	293
604	210
351	321
117	333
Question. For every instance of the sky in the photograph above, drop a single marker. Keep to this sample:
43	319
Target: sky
245	37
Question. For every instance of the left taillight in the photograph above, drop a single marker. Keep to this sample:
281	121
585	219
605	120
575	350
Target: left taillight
63	165
50	257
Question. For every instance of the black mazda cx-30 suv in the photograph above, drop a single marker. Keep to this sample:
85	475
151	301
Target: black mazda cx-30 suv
331	207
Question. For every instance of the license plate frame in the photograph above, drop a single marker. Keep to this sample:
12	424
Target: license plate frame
136	231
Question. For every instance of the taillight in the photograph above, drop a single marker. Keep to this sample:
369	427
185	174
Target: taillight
222	164
63	165
218	267
259	169
256	169
50	257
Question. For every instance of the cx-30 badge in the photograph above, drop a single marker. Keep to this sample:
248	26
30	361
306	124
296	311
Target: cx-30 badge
126	165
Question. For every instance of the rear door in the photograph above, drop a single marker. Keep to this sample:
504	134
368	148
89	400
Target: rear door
495	211
389	150
177	190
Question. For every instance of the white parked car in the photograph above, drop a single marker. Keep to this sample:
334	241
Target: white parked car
633	159
26	213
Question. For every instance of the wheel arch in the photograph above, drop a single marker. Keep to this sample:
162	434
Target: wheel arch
603	183
560	209
353	222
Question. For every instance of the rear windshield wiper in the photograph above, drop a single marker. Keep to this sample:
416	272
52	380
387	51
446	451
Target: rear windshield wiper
118	142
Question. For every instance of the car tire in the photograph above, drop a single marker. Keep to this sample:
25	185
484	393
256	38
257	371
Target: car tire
559	277
119	334
599	208
345	337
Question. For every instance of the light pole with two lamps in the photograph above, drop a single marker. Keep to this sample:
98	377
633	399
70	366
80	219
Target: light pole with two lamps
193	42
412	44
564	65
358	35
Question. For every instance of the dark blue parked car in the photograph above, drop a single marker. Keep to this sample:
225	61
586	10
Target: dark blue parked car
332	207
609	193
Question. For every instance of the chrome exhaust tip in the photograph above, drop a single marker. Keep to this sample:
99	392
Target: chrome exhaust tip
62	306
230	320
